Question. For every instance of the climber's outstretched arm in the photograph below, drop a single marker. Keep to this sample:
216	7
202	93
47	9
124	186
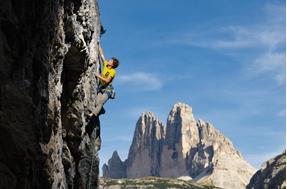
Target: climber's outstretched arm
105	80
101	54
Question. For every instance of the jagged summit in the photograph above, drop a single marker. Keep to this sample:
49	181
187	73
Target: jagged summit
115	155
115	167
181	106
147	114
181	109
148	125
185	147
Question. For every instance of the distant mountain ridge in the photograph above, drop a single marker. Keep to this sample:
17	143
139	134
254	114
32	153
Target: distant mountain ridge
272	174
185	147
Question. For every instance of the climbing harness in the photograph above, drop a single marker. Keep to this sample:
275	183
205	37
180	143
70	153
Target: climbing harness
109	90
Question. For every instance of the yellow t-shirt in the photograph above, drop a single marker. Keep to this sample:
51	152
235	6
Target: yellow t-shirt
108	72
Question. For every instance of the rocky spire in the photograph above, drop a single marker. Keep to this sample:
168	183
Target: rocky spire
181	136
188	148
181	128
115	168
146	147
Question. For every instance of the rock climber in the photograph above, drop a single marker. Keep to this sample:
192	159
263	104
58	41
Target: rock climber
105	90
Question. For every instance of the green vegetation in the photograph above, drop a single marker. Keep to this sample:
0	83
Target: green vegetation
151	183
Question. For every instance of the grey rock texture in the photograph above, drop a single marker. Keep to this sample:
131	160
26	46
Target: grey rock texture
48	62
272	175
116	168
185	148
146	143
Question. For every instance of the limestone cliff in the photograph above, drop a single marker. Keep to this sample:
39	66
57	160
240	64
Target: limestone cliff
272	175
48	61
147	141
185	147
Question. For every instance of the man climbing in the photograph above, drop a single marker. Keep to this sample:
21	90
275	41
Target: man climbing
105	89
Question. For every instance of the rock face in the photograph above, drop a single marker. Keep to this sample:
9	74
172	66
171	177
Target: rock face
185	147
146	143
272	175
48	62
115	168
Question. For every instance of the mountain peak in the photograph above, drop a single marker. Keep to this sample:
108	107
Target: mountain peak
148	114
116	155
115	168
147	124
181	128
185	147
181	111
180	106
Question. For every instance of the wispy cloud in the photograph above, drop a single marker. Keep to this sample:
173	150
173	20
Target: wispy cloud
269	61
141	81
269	34
234	37
266	40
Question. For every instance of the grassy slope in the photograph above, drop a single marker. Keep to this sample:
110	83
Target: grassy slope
153	182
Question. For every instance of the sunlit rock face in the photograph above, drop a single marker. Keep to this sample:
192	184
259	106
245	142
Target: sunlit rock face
48	62
185	147
272	174
145	148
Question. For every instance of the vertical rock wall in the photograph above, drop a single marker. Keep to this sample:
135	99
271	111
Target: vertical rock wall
147	142
48	61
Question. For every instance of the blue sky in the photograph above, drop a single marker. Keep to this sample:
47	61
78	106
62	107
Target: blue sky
224	58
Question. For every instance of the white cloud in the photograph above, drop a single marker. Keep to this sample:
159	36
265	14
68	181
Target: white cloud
265	39
141	81
267	35
269	61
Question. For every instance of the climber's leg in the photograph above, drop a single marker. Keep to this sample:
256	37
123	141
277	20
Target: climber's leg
102	98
